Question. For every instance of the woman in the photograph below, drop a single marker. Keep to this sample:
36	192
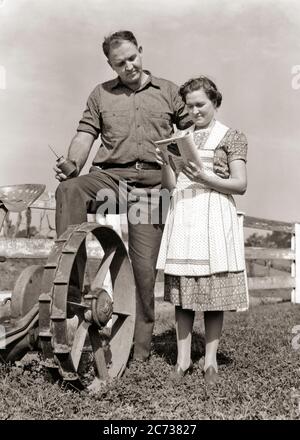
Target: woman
201	251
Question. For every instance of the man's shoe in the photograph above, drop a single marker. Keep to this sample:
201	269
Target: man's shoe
211	376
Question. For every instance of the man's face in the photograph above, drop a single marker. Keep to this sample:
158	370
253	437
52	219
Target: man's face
126	60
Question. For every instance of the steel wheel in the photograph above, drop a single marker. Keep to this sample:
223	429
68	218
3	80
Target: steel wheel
74	321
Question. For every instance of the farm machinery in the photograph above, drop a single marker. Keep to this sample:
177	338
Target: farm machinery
88	325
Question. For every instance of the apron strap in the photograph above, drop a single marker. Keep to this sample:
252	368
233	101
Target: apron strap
216	135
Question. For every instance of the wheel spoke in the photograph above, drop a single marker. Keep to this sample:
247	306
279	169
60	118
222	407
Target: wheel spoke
88	273
78	342
96	341
79	305
117	324
103	269
121	336
121	314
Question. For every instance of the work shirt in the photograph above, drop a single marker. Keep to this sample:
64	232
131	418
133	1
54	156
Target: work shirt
129	121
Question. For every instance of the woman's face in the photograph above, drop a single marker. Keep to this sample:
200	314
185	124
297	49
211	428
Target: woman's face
200	108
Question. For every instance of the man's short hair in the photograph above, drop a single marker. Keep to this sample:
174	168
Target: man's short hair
117	38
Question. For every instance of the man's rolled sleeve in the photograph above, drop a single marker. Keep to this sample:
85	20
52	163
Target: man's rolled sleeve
182	120
90	121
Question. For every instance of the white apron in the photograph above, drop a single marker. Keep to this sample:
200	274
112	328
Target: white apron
201	235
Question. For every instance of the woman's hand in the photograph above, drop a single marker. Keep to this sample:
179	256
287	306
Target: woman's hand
195	172
235	184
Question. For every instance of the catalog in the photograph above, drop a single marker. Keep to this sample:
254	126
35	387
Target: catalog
177	151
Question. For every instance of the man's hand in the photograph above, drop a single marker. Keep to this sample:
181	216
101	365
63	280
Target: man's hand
159	157
79	150
59	175
66	170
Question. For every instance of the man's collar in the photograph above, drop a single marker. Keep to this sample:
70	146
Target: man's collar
152	79
117	81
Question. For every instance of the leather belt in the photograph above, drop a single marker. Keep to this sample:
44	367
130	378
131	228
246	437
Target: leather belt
138	165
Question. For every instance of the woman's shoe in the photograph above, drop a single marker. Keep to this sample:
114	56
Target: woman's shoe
178	372
211	376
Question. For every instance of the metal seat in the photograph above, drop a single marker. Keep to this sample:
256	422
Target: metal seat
17	198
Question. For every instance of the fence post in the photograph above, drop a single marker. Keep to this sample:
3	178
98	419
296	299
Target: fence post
241	225
241	216
295	269
3	212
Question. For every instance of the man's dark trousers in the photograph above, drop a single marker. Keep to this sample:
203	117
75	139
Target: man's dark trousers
73	197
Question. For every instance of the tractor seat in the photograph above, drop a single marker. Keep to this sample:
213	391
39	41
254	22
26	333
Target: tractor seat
17	198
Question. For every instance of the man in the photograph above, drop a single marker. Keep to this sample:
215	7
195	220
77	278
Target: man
129	112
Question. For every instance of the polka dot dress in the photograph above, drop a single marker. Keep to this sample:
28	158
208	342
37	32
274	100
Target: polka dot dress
201	251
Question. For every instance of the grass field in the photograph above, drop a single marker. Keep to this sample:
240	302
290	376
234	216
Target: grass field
259	373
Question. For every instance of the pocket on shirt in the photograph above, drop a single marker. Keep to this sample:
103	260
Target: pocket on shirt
164	117
115	124
159	123
159	115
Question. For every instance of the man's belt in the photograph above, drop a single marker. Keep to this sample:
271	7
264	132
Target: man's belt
134	164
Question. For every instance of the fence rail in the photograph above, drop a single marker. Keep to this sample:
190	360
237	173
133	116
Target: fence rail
260	253
286	279
289	279
265	224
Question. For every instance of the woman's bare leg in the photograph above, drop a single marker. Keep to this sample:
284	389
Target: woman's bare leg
184	321
213	322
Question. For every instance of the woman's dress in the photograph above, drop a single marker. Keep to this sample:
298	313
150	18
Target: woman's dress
202	251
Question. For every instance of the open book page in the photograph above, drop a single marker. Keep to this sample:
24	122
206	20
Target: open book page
177	151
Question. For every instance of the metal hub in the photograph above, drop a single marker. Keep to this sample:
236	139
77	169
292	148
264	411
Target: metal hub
102	307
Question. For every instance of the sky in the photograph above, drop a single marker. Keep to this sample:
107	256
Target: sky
51	59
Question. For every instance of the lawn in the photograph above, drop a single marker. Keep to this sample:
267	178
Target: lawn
259	373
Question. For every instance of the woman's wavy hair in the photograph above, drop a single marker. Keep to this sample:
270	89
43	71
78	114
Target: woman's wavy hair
202	82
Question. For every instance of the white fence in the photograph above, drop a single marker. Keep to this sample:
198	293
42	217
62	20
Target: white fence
40	248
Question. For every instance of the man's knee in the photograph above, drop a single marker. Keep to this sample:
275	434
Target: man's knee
70	194
66	188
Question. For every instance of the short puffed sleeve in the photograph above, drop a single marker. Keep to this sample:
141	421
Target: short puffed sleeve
237	146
